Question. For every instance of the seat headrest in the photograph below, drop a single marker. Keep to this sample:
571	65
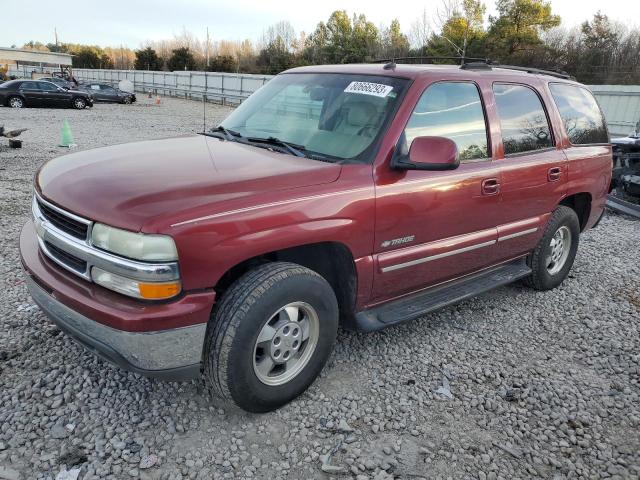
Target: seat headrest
360	114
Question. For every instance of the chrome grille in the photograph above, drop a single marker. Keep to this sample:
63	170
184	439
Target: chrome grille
69	260
64	221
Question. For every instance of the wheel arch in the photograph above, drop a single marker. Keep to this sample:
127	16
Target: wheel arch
331	260
581	204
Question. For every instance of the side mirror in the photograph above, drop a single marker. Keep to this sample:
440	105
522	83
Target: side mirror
430	153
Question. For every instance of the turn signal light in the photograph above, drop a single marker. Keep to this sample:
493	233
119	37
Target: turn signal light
157	291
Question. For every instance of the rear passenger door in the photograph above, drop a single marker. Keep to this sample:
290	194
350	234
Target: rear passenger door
31	93
533	167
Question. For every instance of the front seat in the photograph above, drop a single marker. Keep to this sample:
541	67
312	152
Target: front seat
357	118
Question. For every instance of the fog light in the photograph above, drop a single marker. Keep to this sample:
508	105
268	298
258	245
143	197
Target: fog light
134	288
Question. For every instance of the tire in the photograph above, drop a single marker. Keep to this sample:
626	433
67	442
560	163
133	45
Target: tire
549	265
234	360
16	102
79	103
127	100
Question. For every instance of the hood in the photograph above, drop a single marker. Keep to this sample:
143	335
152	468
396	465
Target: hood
130	184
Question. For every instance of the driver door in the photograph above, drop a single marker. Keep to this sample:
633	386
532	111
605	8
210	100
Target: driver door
434	226
51	96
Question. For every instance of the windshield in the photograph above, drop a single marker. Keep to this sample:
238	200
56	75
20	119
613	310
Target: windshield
335	115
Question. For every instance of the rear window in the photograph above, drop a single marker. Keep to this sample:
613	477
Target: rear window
582	118
523	121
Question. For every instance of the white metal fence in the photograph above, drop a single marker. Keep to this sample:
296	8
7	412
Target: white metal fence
231	87
214	86
621	107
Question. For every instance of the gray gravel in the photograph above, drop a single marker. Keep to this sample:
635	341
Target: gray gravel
514	384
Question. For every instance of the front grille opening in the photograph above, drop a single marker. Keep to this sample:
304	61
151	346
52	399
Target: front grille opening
66	258
64	223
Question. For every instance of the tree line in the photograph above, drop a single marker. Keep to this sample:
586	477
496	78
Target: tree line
522	32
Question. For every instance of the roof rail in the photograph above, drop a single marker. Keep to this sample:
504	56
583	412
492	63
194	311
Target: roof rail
538	71
471	63
430	59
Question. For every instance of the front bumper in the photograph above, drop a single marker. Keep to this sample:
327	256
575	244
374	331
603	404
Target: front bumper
168	354
162	340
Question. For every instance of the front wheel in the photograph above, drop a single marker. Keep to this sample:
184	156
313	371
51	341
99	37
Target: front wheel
553	257
270	336
79	103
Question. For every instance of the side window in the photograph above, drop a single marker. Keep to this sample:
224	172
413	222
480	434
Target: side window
46	86
29	86
582	118
523	121
452	110
95	87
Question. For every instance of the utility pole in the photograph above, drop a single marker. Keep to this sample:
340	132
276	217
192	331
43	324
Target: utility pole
207	48
55	33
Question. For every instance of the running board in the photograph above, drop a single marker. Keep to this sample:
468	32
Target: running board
419	304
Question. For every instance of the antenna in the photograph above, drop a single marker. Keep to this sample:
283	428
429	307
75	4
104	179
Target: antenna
204	105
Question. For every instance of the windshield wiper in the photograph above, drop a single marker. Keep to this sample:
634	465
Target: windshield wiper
292	148
230	135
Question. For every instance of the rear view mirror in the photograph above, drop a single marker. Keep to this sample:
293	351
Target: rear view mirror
430	153
317	94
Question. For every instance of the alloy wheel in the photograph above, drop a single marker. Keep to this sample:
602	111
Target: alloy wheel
286	343
559	248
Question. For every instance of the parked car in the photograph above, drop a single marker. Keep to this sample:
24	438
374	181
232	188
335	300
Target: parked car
61	82
39	93
103	92
354	195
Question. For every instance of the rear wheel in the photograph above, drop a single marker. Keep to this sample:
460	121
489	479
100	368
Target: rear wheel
127	100
553	257
16	102
79	103
270	336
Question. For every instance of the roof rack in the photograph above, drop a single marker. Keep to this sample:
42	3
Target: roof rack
472	63
538	71
430	60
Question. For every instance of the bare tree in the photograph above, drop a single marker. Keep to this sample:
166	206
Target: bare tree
420	31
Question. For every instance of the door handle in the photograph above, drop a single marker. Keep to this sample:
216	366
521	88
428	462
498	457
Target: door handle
554	174
490	186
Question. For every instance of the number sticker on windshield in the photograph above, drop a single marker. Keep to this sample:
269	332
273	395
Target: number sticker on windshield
366	88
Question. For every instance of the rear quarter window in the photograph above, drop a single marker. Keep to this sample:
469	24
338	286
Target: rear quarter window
583	120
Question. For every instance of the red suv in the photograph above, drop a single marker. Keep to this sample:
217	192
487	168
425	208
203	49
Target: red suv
352	195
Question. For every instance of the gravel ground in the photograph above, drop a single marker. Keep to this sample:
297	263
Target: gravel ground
514	384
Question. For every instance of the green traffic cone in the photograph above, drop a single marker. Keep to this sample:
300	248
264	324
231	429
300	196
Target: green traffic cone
67	136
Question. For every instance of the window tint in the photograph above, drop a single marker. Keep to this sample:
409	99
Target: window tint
523	121
452	110
580	114
46	86
29	86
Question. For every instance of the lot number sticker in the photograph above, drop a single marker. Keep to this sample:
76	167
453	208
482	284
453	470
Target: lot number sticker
366	88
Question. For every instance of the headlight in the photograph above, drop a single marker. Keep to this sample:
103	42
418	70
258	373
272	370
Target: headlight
139	246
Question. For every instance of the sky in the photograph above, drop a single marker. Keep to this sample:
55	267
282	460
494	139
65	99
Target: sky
131	22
